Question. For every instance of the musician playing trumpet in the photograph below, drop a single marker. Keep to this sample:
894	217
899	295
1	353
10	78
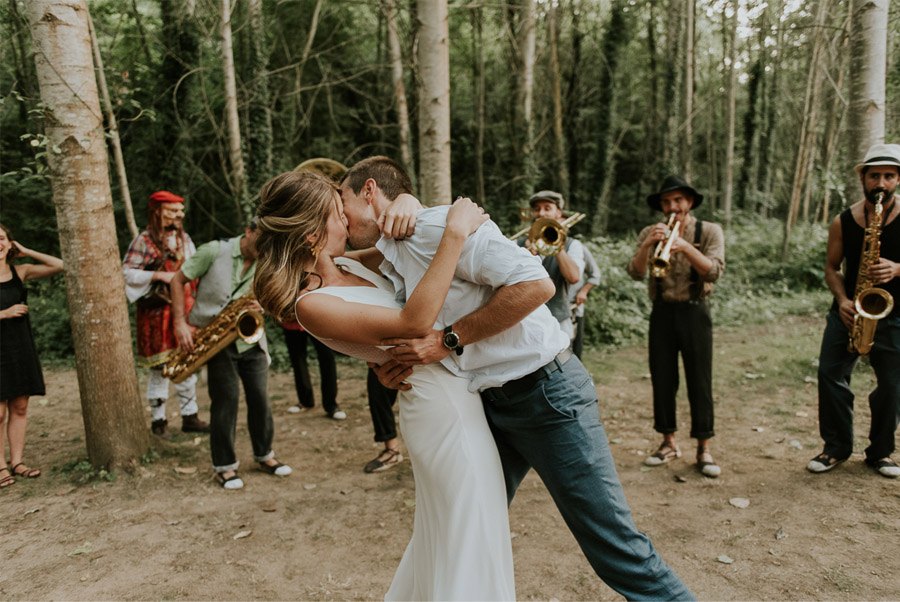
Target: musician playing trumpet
226	269
846	263
685	257
566	266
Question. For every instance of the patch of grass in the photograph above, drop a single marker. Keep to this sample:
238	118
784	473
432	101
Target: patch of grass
81	471
840	580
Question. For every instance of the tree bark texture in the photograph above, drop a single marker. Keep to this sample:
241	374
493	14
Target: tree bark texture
480	101
113	134
235	152
434	102
559	140
688	159
259	121
730	115
115	432
868	69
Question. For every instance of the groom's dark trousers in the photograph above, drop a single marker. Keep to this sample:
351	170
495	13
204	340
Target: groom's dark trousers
549	420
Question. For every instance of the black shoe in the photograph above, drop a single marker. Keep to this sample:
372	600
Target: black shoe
158	427
193	424
886	467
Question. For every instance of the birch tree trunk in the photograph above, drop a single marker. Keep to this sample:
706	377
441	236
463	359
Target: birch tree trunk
232	123
434	101
730	117
114	141
868	69
396	57
559	140
527	47
113	413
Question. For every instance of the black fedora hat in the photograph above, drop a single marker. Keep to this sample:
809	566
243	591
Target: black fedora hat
672	183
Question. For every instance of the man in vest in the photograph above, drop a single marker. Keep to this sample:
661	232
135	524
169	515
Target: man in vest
565	267
879	173
680	321
225	269
151	261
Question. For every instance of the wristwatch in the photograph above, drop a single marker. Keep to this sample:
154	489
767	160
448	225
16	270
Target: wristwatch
451	340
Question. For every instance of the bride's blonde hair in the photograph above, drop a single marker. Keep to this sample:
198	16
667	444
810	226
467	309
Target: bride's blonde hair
293	211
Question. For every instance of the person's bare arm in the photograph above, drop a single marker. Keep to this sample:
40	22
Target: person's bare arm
183	332
508	306
568	267
48	264
834	256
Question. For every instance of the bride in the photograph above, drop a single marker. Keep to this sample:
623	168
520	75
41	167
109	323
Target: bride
460	548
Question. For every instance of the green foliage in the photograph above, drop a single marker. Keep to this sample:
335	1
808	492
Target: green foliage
82	472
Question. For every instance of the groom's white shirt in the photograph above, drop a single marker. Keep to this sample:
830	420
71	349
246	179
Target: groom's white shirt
489	260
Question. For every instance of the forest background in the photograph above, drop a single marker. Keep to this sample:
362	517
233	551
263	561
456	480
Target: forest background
752	101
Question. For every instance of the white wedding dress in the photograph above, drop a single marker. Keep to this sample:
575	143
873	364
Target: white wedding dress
460	547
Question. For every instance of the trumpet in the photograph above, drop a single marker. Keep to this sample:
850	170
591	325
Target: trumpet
661	260
547	235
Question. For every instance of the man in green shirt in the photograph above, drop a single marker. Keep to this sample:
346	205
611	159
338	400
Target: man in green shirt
226	269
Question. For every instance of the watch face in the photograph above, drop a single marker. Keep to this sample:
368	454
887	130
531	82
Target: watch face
451	340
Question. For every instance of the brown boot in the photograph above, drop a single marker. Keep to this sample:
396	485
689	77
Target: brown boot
193	424
158	427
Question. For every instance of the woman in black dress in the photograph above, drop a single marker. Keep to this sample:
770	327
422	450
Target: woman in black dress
20	368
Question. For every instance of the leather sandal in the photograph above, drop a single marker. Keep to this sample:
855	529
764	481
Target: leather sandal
823	463
665	454
278	469
8	479
386	459
27	473
233	482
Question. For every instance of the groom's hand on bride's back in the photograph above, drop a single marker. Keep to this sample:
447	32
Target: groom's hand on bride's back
424	350
393	374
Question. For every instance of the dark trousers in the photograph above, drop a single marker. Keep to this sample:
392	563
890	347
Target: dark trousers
553	426
297	349
381	406
684	328
836	397
578	341
227	369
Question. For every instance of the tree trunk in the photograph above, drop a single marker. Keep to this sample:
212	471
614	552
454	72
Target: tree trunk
113	134
730	117
232	123
527	49
113	413
434	101
836	115
808	128
570	122
559	146
771	102
480	103
259	116
672	144
687	160
868	69
399	86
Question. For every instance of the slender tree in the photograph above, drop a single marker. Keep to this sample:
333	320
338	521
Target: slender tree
688	160
559	141
480	100
115	433
259	103
237	177
868	69
730	113
113	127
434	101
399	86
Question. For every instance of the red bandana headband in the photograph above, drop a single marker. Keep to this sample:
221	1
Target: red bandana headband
164	196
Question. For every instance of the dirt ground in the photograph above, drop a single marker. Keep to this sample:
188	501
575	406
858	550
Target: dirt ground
330	531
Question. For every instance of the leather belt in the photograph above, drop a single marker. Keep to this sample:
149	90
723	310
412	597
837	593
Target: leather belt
530	381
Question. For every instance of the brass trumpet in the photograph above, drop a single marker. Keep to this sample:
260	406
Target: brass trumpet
661	260
548	236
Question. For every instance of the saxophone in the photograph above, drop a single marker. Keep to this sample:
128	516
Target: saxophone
872	303
240	318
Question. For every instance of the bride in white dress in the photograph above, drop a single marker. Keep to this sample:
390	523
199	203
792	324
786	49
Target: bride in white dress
460	548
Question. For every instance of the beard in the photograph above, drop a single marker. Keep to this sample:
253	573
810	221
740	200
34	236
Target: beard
873	193
364	239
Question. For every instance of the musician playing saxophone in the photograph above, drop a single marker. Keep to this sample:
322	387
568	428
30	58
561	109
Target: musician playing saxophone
680	320
879	174
226	269
566	266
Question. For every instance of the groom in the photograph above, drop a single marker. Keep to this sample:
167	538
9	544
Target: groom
539	400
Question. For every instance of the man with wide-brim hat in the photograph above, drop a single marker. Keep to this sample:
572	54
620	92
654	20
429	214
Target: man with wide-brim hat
680	321
879	174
